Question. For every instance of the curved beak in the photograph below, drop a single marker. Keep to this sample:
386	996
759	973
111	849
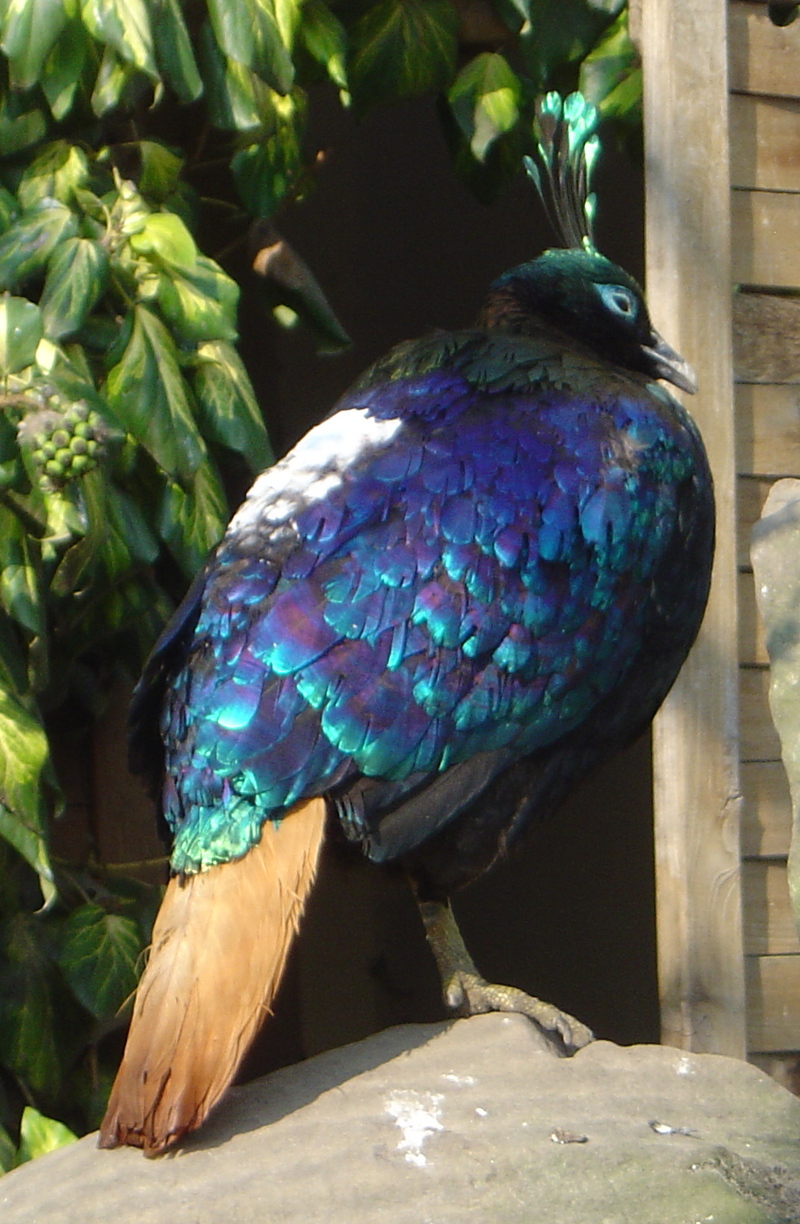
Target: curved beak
664	362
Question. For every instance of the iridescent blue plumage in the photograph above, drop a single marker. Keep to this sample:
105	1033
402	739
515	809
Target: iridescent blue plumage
475	571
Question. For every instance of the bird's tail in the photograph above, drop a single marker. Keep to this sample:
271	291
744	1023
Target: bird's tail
219	946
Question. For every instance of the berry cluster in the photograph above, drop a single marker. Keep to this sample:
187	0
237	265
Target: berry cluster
64	445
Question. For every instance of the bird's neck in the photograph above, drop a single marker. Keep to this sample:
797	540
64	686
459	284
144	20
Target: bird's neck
505	310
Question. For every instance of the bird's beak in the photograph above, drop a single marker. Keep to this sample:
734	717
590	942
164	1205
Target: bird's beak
665	363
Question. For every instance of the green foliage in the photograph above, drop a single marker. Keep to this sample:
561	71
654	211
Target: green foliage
38	1135
123	400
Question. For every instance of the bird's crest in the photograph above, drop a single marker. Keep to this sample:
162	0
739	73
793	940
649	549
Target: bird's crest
567	149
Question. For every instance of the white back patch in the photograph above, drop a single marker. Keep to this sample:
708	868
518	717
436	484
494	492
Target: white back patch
312	469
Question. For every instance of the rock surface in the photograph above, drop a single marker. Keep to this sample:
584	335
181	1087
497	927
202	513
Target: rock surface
468	1121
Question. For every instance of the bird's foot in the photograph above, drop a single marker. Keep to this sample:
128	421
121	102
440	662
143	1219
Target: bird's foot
469	994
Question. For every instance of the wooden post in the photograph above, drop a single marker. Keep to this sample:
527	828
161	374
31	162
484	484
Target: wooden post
696	785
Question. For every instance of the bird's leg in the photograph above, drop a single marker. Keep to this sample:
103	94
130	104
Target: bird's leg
469	994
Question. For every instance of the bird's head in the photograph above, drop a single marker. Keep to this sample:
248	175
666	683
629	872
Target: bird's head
583	295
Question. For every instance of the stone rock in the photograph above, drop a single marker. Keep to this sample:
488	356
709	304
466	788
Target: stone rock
459	1122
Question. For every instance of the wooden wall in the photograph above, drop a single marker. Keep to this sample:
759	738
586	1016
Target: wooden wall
722	134
765	179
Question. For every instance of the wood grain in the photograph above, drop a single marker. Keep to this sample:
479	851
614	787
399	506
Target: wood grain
752	645
769	925
696	787
759	740
765	148
766	338
767	809
764	58
751	493
768	428
766	250
773	990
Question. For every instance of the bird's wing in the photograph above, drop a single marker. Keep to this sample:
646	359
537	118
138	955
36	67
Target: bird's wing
417	599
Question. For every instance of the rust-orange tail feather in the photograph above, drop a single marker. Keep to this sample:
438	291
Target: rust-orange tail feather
219	946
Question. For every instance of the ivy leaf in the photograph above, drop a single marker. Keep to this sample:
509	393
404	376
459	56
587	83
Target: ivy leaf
229	407
63	69
191	521
23	122
266	170
60	170
148	395
611	74
98	958
76	277
173	50
402	47
248	32
161	170
485	101
563	33
27	1019
13	676
20	332
115	82
8	1152
238	100
325	39
200	302
164	235
23	758
39	1135
125	25
27	245
30	29
19	585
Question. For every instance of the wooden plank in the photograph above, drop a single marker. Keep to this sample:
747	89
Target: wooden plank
758	738
765	142
773	1002
763	58
696	788
769	924
752	645
751	493
766	338
768	428
767	810
766	244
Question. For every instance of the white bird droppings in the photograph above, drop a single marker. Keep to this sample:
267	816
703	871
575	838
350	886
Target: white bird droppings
460	1081
418	1114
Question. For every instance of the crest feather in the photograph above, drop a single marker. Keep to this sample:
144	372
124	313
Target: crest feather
567	150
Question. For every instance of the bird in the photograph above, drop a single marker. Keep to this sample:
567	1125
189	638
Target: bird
472	582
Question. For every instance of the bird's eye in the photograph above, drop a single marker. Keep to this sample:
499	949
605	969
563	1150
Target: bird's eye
619	300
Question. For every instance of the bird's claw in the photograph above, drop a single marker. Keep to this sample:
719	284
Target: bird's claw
468	994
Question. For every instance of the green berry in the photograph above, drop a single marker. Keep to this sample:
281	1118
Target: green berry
78	445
